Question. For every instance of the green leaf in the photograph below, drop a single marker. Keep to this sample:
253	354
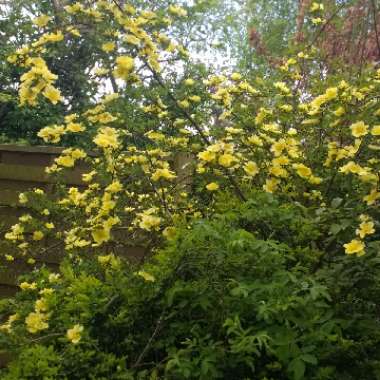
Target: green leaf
309	359
297	366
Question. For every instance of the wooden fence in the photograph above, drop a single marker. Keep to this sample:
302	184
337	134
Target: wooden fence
23	168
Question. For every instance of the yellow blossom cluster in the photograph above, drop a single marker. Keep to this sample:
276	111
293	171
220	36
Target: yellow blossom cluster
38	80
265	135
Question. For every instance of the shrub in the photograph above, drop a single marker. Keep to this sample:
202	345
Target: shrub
263	266
222	300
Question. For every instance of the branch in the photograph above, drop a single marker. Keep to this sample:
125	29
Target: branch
375	24
150	341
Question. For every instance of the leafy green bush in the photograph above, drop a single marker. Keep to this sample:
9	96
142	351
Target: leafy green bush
228	298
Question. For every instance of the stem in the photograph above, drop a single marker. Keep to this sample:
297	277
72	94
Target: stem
150	341
375	24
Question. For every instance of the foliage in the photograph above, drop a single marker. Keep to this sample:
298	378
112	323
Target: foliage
221	300
256	195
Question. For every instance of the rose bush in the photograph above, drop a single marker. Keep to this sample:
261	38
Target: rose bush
262	246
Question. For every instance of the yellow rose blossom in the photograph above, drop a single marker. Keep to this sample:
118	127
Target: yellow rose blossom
206	156
271	185
66	161
36	322
107	137
163	173
41	21
354	246
169	232
108	47
38	235
372	197
74	334
146	276
365	228
359	129
114	187
212	186
124	66
251	168
101	235
226	160
75	127
375	131
28	286
302	170
53	94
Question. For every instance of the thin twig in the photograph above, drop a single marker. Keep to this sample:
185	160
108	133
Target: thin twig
375	24
150	341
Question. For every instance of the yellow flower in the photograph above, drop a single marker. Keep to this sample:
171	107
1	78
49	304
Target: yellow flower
87	177
317	20
375	131
184	103
271	185
38	235
66	161
206	156
302	170
310	122
36	322
236	76
286	107
212	186
124	66
52	134
316	7
41	21
163	173
251	168
359	129
169	232
107	137
354	246
53	94
75	8
53	277
40	305
255	140
177	11
331	93
226	160
28	286
8	325
195	98
131	39
101	235
365	228
372	197
74	31
146	276
75	127
339	111
282	87
74	334
278	147
149	221
22	198
189	82
108	47
114	187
